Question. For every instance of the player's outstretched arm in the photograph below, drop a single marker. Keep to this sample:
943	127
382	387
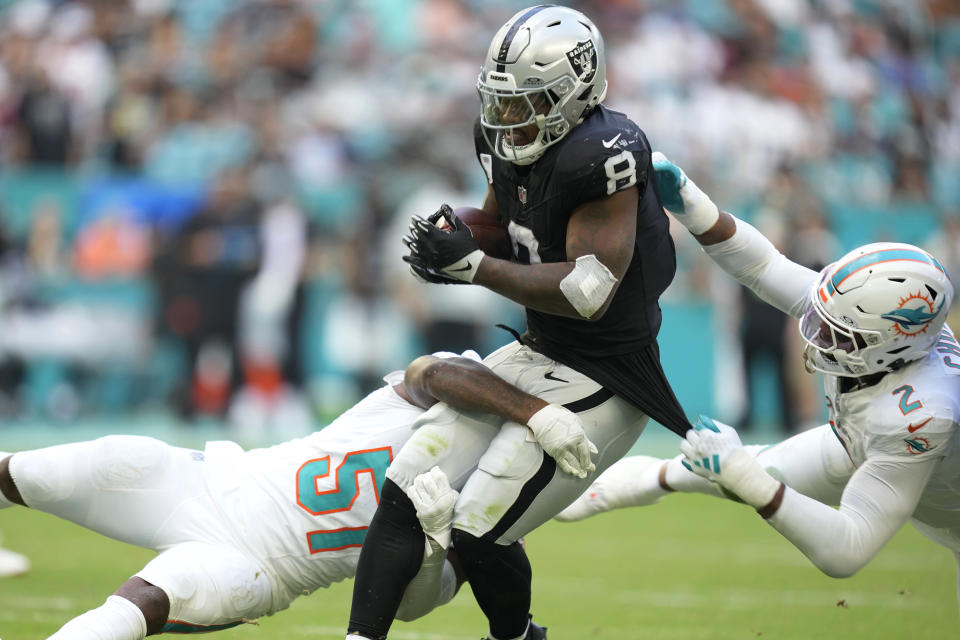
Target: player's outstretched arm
876	502
465	384
736	246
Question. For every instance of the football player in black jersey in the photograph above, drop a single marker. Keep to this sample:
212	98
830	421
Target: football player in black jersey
573	183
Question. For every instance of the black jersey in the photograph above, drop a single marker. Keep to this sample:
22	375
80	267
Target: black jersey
606	153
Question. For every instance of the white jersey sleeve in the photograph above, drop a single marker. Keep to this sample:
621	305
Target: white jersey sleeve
904	437
877	501
752	259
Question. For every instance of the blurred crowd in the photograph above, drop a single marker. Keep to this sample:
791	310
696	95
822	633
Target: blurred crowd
201	200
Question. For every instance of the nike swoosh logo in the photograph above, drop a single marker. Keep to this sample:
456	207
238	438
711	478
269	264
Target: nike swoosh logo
466	268
913	427
609	143
549	376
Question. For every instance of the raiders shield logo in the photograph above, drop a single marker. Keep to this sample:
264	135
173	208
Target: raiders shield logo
522	194
583	60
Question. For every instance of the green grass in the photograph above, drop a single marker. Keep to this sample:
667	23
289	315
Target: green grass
689	567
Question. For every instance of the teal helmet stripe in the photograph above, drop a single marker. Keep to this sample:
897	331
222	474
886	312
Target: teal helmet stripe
885	255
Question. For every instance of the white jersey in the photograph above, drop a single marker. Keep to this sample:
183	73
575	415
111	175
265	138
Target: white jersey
303	507
910	415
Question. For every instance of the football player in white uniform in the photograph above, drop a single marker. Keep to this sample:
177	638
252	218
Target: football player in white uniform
240	534
874	324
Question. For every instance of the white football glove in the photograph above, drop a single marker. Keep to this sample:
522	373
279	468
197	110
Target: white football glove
434	499
682	197
713	450
560	433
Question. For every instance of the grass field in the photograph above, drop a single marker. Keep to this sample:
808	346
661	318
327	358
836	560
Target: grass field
689	567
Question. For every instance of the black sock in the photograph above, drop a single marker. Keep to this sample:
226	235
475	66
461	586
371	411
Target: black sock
391	556
500	578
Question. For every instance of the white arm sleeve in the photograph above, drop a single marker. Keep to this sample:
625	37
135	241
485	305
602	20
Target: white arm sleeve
878	500
435	584
812	462
752	259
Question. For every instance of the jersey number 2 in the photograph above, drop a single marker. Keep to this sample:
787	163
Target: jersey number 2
341	498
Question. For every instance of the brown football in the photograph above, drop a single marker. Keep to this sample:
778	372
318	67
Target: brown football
492	236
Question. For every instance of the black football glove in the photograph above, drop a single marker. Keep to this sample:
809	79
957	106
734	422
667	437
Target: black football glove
451	253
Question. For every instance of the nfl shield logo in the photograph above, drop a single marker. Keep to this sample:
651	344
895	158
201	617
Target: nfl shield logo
522	194
583	60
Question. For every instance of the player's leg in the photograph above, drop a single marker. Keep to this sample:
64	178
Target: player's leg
9	494
125	487
134	489
135	610
11	563
515	489
812	462
189	588
393	547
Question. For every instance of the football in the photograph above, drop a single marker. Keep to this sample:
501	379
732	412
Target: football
492	236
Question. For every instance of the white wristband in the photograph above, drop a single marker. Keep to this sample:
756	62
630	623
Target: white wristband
699	211
544	418
466	267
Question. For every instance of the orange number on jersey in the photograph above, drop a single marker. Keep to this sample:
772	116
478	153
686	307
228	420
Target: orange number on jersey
341	498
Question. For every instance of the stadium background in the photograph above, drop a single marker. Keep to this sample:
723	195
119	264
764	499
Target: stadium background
201	200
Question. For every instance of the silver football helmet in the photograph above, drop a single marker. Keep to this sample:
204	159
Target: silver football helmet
544	71
878	307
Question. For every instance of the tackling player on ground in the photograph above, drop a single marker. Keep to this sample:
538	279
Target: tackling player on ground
573	183
874	324
241	534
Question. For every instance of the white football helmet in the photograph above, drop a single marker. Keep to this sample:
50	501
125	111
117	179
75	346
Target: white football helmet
876	308
545	67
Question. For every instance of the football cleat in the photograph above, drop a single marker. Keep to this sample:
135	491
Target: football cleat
534	632
630	482
12	563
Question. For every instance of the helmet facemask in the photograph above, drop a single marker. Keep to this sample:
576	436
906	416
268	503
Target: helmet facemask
833	348
530	117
